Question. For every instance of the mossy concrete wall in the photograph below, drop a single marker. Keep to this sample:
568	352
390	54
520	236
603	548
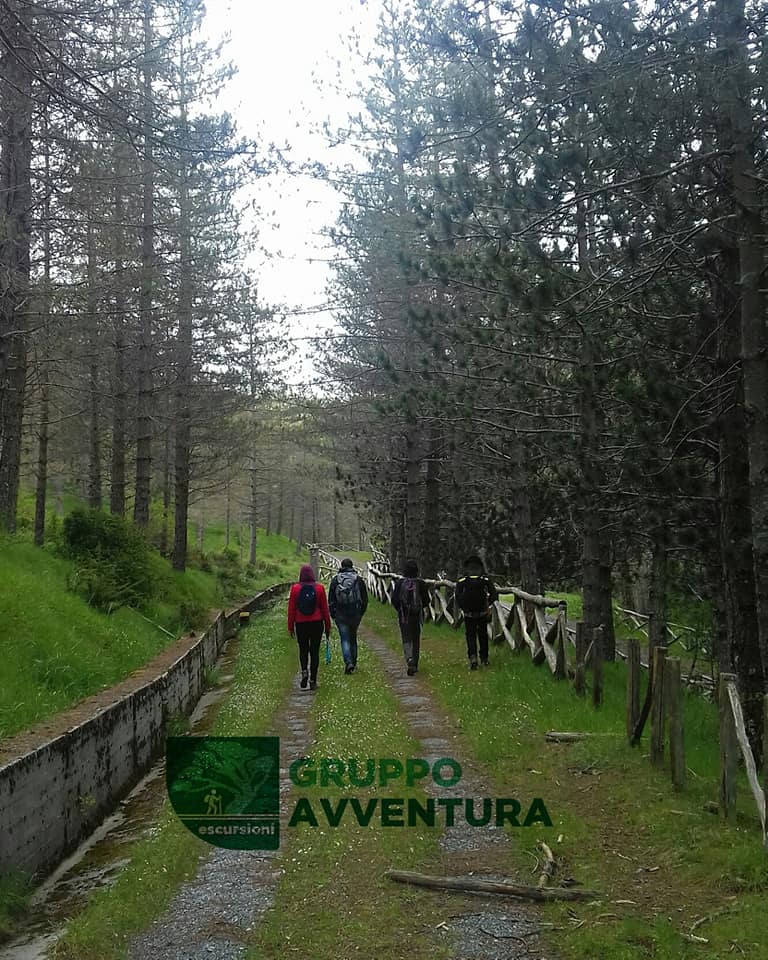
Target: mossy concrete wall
54	796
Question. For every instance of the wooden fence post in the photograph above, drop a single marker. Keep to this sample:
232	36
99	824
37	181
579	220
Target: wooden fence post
673	696
658	707
633	686
561	640
597	666
579	674
314	561
728	750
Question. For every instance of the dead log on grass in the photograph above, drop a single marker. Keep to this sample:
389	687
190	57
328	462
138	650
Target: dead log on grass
475	885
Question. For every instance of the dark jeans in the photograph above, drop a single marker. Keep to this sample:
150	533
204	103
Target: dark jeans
411	635
348	638
308	636
477	634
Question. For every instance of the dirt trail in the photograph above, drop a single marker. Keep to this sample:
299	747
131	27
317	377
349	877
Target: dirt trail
211	915
484	927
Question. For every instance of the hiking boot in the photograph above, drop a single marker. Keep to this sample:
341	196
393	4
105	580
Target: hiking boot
473	664
313	684
304	679
348	667
485	663
411	668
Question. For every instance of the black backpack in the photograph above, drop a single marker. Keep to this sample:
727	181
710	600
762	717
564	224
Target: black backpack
410	600
307	599
475	596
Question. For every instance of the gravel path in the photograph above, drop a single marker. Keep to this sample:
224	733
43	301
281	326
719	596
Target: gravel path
484	927
211	915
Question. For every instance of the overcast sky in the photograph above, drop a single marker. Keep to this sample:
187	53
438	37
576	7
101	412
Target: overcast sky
291	56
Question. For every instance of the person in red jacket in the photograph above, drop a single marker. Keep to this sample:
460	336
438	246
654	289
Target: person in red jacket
308	614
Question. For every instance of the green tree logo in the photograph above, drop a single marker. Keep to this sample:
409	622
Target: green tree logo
226	790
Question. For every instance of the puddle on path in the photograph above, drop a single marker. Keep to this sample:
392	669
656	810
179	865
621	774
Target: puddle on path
98	861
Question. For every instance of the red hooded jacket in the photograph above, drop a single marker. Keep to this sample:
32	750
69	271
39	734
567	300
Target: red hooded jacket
307	575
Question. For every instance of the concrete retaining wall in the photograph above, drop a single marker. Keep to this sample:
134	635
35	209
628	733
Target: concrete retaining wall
53	797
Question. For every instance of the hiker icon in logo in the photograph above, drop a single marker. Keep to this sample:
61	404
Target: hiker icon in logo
226	790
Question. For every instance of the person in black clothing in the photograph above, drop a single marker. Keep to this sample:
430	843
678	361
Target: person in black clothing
348	601
474	595
410	598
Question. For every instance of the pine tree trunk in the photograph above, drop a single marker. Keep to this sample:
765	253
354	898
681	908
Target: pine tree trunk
15	204
94	419
167	471
742	647
739	135
144	409
254	511
280	508
228	516
657	594
413	513
184	340
117	470
596	562
432	508
41	479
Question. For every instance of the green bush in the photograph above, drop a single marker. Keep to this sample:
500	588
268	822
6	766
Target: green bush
114	564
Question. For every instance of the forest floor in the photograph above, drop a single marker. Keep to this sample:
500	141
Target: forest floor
673	881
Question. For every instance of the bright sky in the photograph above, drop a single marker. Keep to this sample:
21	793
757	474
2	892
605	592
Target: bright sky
295	70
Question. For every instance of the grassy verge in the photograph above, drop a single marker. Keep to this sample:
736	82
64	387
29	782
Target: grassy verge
264	670
334	898
58	650
661	860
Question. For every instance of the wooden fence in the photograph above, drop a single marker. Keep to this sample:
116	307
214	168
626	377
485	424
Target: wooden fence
526	624
523	625
676	633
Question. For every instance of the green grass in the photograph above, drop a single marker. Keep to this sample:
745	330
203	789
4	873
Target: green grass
264	670
621	827
57	650
15	891
333	899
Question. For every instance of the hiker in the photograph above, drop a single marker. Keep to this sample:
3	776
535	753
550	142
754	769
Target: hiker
307	616
474	595
348	601
410	598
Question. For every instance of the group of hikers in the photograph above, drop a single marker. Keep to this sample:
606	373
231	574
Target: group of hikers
310	613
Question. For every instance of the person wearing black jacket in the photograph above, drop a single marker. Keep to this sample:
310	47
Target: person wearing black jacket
474	595
410	598
348	601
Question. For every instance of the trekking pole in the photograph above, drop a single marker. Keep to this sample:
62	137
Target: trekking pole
327	649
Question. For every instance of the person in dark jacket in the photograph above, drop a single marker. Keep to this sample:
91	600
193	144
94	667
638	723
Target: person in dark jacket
307	615
410	598
474	595
348	601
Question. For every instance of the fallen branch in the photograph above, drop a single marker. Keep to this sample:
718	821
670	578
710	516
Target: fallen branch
555	736
549	866
473	885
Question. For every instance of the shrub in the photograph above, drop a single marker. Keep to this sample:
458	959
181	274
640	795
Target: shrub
114	564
